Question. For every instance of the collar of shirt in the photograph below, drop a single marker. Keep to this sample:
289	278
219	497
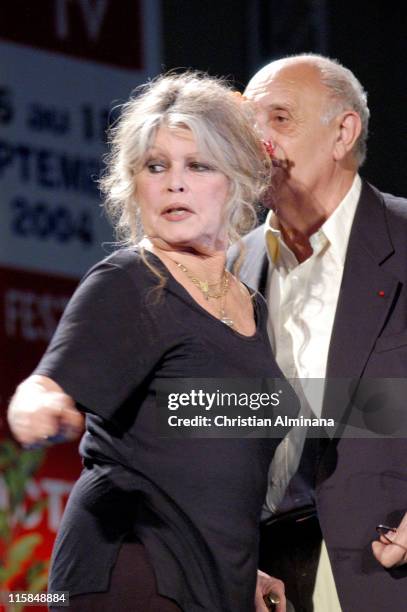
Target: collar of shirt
335	231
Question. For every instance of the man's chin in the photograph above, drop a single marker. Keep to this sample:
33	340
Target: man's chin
273	194
269	199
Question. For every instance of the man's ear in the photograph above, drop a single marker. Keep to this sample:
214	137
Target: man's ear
349	128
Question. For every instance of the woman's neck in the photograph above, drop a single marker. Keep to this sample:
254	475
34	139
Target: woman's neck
208	266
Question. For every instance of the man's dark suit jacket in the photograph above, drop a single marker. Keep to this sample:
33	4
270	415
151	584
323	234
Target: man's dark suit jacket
361	483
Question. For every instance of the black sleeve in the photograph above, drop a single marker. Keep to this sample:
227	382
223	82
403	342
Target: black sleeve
105	344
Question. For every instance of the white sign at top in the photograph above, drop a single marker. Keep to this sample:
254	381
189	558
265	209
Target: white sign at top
54	109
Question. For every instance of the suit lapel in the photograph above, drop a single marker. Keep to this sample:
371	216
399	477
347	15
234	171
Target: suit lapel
254	268
366	296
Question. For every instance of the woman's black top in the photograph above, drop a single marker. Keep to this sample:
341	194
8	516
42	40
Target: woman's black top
194	503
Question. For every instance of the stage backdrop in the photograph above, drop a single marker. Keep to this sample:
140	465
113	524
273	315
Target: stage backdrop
64	67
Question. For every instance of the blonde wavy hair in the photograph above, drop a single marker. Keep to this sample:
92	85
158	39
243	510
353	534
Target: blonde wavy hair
222	124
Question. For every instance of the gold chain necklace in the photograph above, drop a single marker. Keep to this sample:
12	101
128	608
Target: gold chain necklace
204	287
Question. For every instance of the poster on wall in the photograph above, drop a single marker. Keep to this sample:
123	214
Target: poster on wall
61	83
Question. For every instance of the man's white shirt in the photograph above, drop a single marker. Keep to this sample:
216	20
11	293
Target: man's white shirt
302	300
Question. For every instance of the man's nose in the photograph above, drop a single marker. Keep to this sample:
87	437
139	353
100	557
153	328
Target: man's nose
268	135
264	128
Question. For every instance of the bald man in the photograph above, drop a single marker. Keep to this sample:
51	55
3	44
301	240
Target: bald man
331	260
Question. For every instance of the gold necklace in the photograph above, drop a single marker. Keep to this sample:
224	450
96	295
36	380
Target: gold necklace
204	287
223	316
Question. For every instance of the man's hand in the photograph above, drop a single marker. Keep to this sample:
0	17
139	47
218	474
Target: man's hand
41	410
265	584
394	553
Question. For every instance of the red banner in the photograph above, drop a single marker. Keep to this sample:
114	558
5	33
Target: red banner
32	304
34	484
104	31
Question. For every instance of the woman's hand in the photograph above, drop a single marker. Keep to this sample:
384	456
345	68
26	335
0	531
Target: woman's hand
40	410
265	584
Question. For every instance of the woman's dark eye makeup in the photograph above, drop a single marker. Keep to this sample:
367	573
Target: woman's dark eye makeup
155	166
200	166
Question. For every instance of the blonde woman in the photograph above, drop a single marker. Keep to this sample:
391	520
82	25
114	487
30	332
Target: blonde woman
154	523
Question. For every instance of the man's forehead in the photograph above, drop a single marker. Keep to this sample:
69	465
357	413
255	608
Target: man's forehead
266	73
284	73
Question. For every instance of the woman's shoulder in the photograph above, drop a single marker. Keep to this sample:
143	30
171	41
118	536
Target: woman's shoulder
124	274
130	261
123	258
